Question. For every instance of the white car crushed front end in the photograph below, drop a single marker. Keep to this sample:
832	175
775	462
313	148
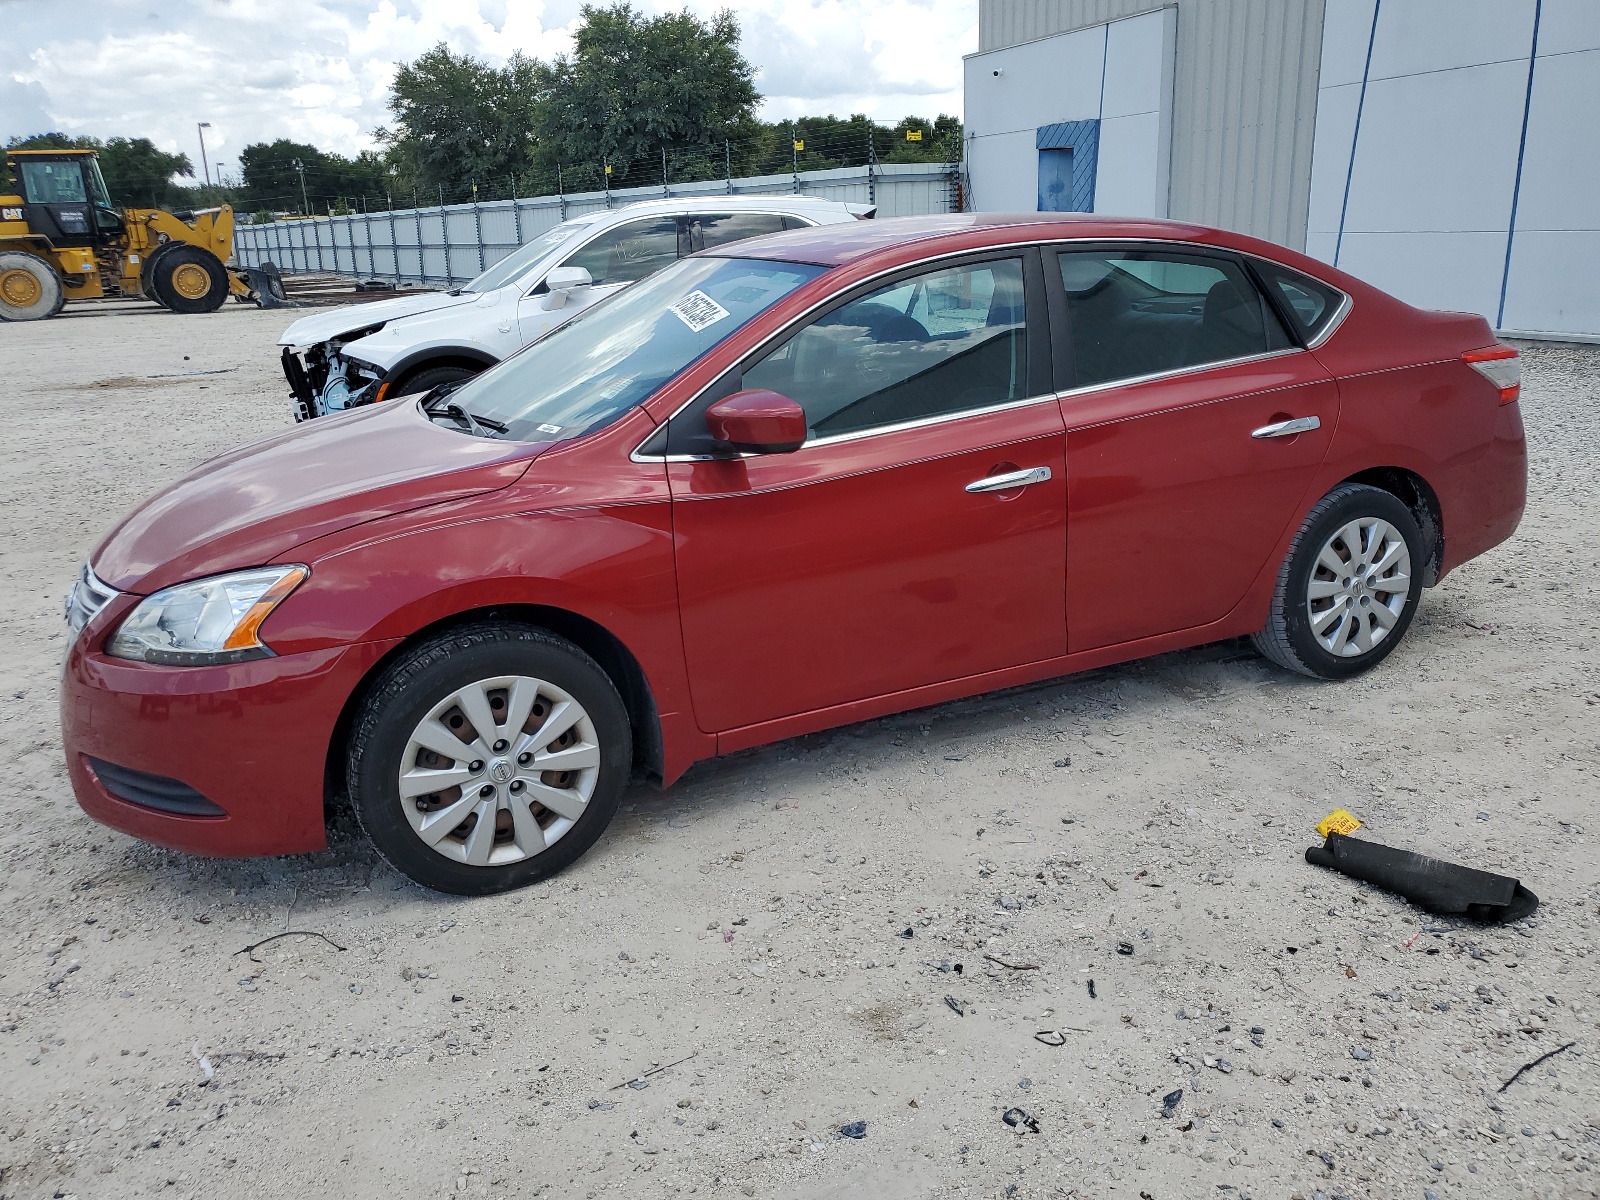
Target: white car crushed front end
340	359
321	378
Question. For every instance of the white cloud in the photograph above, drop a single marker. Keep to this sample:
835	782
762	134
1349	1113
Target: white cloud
319	70
22	107
890	59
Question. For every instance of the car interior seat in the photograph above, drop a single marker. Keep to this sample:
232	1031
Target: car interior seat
1230	325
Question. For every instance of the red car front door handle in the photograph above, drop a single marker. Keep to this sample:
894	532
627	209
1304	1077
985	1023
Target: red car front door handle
1287	428
1010	480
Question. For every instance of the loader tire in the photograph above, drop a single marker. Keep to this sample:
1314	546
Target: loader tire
147	277
30	289
188	279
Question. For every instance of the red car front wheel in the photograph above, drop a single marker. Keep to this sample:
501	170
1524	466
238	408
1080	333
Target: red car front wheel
489	758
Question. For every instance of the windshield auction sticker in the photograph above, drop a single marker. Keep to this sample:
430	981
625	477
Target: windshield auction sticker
698	310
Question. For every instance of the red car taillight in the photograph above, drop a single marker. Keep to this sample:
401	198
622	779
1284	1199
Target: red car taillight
1501	366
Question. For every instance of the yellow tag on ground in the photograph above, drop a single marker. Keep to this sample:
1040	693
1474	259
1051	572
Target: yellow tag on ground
1338	821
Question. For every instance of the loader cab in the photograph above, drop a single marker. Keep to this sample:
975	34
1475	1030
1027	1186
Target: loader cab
64	196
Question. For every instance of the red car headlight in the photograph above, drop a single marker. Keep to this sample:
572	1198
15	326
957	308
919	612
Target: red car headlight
206	621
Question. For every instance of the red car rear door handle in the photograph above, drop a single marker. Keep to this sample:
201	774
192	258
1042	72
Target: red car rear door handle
1287	428
1010	480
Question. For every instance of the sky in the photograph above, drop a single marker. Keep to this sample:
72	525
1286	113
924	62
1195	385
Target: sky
318	71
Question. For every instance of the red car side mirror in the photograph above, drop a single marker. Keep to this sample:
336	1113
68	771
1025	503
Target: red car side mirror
758	422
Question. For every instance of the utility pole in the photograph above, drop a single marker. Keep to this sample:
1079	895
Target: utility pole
305	203
872	164
205	166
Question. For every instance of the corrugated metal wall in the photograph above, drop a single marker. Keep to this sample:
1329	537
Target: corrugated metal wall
454	243
1244	102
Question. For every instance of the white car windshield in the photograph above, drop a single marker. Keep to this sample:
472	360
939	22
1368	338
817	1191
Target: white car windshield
514	266
585	374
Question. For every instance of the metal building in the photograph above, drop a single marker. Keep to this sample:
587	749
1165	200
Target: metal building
1445	150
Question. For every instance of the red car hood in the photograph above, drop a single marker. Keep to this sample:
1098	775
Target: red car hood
250	505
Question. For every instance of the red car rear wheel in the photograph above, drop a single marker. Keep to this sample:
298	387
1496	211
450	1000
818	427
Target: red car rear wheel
1349	585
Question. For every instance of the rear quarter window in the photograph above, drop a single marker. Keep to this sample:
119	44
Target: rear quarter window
1310	304
710	230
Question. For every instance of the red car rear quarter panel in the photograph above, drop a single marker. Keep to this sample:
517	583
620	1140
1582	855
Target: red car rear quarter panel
1489	492
1407	400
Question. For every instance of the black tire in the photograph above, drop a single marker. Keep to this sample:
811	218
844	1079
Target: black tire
1289	639
429	378
30	289
188	279
147	282
425	677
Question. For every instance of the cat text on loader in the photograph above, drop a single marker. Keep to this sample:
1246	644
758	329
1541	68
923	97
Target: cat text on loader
62	239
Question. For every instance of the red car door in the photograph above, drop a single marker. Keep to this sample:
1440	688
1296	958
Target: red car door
886	552
1194	427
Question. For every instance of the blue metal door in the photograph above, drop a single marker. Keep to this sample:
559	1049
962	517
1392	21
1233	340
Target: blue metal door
1055	180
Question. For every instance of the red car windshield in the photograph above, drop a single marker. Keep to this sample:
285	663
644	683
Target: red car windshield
585	374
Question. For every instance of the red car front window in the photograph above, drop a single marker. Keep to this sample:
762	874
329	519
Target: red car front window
588	372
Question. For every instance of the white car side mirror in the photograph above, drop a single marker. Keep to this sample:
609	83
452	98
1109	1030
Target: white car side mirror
562	282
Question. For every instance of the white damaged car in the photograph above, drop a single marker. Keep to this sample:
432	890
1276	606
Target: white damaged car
363	353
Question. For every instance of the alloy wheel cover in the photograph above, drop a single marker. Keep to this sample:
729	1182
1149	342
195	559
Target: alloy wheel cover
490	799
1357	590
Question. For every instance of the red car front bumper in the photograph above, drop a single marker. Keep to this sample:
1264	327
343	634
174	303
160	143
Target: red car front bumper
249	738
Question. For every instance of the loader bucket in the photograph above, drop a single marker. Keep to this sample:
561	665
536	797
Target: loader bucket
267	283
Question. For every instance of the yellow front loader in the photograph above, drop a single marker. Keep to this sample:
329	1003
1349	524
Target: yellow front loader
62	239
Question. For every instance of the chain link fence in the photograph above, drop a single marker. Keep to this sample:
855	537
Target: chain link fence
449	244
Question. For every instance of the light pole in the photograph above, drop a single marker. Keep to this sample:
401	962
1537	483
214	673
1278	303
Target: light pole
300	166
201	128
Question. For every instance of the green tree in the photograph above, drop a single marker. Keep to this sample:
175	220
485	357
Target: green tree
458	120
140	175
273	182
634	84
835	142
53	141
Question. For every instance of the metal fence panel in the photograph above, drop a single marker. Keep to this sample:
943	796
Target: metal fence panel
450	244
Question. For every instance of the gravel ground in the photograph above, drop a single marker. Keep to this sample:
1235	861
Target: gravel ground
870	925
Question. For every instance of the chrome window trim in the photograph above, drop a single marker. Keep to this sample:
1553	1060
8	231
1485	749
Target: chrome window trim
856	435
1090	388
1345	306
1346	303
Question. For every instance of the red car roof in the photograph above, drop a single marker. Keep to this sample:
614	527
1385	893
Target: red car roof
836	245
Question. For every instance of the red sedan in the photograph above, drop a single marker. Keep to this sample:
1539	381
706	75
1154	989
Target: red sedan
812	479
